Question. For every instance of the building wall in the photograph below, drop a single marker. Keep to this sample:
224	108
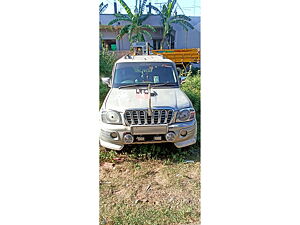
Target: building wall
183	39
190	38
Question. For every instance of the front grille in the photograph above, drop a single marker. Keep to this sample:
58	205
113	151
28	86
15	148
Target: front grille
141	117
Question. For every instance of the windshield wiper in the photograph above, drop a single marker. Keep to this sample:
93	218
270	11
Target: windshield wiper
132	85
145	84
164	84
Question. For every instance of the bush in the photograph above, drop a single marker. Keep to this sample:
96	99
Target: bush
106	63
192	88
103	92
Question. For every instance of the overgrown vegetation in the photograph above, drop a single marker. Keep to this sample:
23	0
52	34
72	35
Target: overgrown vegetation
107	60
167	153
106	63
192	88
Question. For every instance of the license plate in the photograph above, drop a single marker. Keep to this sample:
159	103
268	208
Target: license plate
144	130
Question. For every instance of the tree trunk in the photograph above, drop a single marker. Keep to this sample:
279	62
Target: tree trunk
162	42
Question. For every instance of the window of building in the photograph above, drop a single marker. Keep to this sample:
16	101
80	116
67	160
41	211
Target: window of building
110	44
172	42
156	44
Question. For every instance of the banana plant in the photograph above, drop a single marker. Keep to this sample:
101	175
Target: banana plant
168	18
136	30
102	7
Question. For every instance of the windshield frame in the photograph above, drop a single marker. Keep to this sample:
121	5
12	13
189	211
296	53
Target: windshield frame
176	84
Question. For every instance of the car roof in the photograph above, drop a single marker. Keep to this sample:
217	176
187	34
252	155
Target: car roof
143	58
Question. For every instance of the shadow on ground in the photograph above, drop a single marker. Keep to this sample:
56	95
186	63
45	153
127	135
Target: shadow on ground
165	152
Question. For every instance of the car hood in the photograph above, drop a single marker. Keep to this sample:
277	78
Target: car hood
133	98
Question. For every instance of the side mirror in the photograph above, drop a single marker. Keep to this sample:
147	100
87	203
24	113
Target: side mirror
182	79
107	81
178	71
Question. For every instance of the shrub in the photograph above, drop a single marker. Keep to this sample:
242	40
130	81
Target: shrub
106	63
107	60
103	92
192	88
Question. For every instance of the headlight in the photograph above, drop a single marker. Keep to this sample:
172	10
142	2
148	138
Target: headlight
111	117
185	115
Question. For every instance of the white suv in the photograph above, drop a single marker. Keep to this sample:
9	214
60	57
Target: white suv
145	105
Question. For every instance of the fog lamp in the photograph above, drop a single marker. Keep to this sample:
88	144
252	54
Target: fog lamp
114	134
128	138
170	136
183	133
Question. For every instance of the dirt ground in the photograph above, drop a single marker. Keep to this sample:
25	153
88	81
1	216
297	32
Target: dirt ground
134	190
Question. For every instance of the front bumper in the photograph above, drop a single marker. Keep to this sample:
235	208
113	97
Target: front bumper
107	141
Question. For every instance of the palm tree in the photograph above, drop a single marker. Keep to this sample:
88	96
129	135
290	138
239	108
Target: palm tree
135	29
168	19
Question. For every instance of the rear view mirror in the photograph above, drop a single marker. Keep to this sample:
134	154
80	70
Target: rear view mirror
107	81
182	79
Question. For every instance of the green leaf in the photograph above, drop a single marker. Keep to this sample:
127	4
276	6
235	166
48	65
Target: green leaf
127	9
117	20
147	26
165	10
181	17
119	15
170	6
146	33
102	7
155	9
142	7
138	37
123	31
182	22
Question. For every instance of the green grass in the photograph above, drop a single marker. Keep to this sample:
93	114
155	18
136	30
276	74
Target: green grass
138	214
167	153
107	155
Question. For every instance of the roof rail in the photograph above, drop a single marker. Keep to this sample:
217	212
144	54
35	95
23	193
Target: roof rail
162	56
128	56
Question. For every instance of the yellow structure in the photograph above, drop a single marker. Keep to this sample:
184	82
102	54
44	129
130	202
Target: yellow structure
180	56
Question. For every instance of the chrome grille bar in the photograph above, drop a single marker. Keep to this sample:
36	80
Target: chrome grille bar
141	117
159	117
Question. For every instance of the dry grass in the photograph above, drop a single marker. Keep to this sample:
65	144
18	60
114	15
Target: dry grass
139	191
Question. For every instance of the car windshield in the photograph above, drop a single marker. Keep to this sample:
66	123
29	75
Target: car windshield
137	74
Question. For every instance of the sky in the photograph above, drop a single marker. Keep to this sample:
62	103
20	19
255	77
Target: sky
189	7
